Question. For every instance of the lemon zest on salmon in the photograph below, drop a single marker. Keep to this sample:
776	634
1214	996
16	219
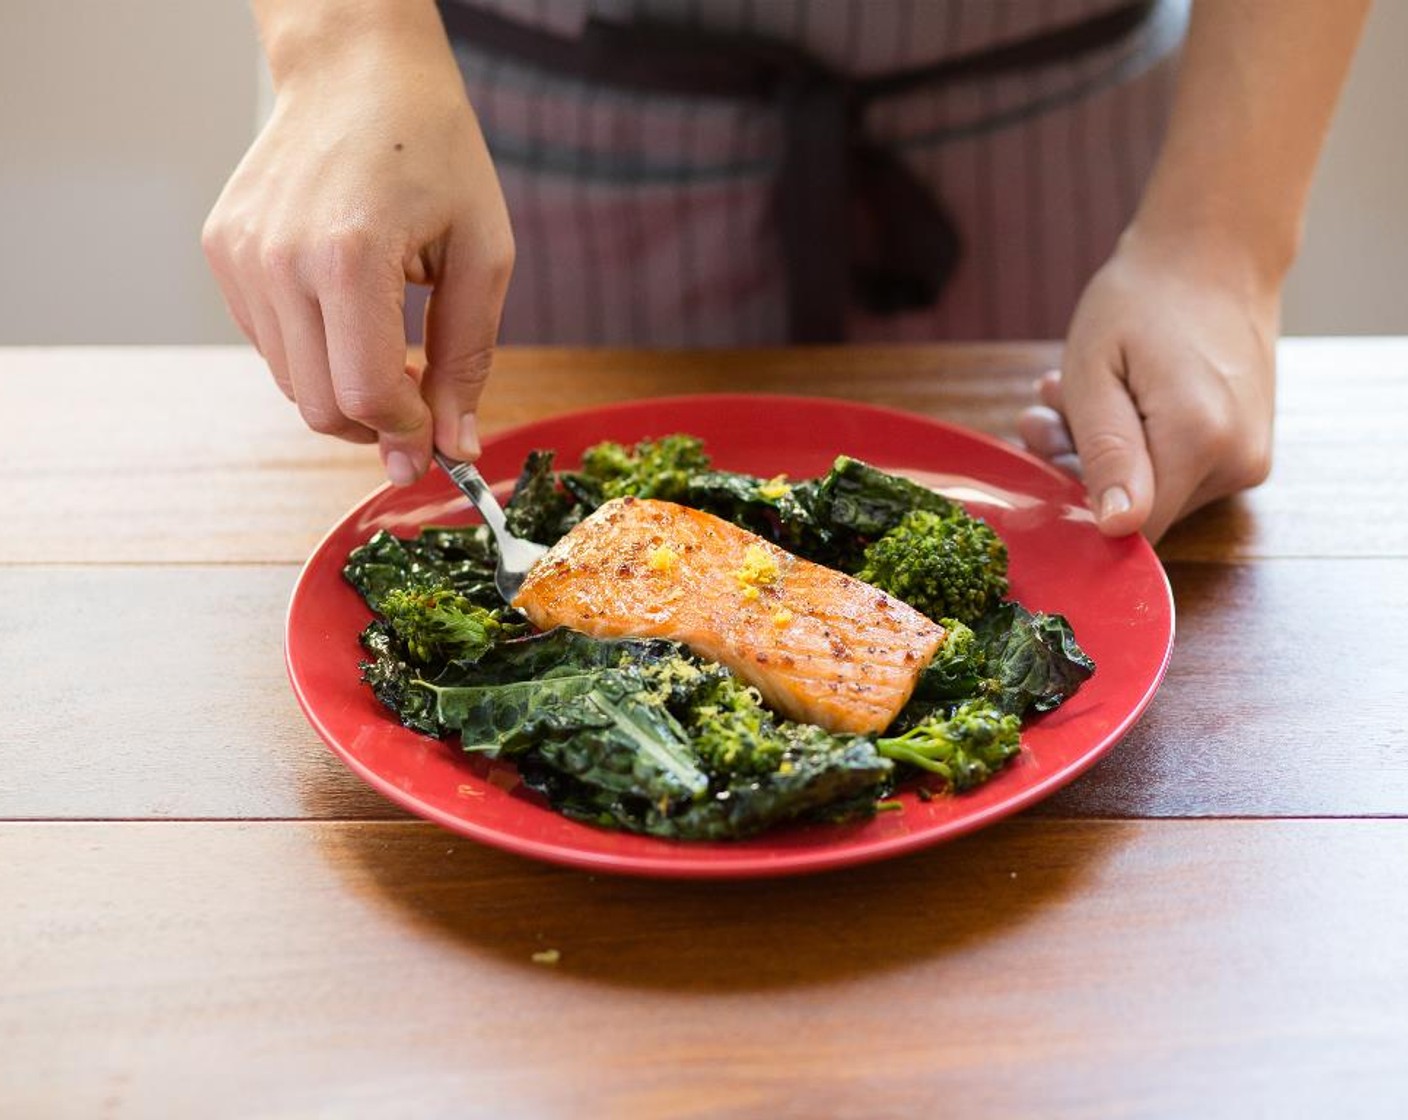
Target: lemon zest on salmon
663	559
759	570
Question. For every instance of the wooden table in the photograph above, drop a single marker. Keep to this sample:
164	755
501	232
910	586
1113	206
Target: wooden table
203	913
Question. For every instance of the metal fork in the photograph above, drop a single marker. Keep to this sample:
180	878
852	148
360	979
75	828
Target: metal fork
516	556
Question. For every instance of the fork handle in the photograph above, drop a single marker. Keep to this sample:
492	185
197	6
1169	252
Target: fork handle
467	477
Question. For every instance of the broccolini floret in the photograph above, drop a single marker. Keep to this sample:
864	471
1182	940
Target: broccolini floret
957	670
965	748
438	624
735	735
947	566
732	731
658	468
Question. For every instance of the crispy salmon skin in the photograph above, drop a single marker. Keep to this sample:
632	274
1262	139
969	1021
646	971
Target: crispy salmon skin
820	646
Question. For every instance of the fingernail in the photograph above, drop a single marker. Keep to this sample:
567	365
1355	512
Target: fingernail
399	468
1114	502
469	437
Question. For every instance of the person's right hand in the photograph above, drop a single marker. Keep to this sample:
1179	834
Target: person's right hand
371	172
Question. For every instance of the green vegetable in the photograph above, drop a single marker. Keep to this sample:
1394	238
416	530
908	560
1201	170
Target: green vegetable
439	624
644	736
965	748
553	651
563	700
834	779
769	507
957	669
864	502
393	681
945	565
1033	658
734	733
598	726
602	747
652	469
540	509
464	558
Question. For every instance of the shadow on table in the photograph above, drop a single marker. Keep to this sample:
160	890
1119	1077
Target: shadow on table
1225	529
956	901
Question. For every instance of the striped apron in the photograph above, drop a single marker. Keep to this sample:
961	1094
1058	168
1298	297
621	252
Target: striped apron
727	172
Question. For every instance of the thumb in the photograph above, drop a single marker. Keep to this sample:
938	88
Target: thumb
1109	437
461	328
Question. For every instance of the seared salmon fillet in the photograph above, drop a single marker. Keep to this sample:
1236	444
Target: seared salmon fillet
820	646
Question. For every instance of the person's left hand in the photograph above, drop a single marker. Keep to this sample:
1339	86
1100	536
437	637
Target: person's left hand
1165	395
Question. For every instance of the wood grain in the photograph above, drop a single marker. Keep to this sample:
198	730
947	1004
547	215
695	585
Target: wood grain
1083	960
1042	969
150	455
1285	697
191	455
160	692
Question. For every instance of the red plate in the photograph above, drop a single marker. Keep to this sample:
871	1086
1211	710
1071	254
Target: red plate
1113	591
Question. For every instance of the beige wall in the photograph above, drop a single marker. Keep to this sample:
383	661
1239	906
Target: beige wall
119	120
1352	275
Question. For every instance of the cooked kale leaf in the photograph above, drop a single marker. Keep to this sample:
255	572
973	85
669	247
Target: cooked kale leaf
393	681
865	502
839	778
770	507
1033	658
463	558
599	726
541	509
